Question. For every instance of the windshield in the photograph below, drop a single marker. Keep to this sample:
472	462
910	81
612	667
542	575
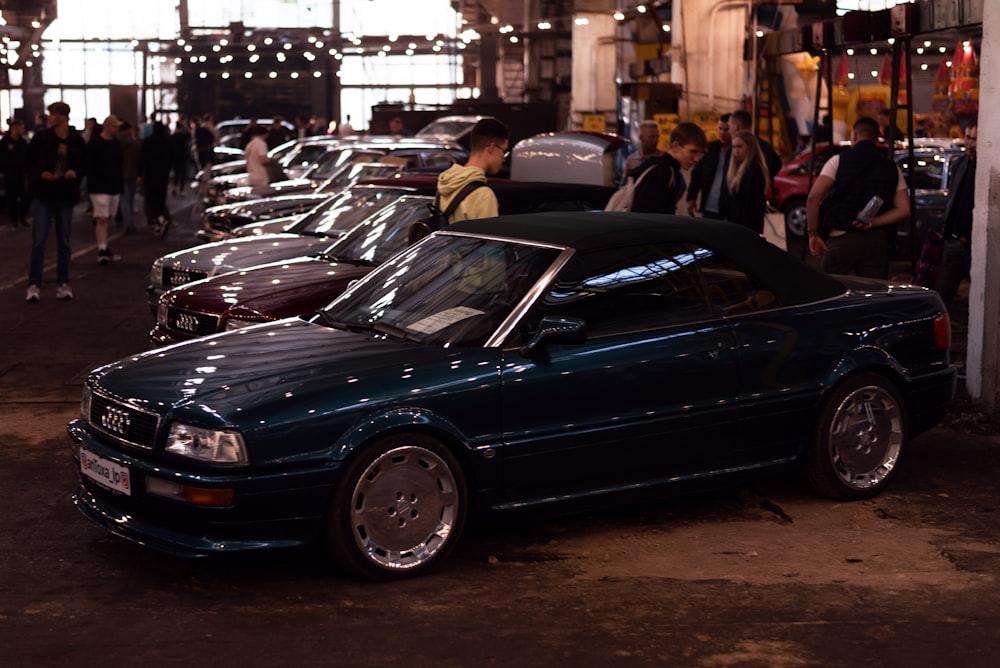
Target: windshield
383	234
302	156
362	171
344	210
448	290
448	128
332	162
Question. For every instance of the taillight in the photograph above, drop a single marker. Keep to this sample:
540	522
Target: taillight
942	331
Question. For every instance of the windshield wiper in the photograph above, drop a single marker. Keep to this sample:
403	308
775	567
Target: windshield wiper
349	260
397	333
389	331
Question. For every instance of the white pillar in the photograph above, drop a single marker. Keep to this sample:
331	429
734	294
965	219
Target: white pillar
983	356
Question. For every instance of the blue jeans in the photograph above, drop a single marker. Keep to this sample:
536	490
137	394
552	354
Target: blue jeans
127	204
47	212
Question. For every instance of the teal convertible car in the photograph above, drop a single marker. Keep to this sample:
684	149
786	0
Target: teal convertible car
513	365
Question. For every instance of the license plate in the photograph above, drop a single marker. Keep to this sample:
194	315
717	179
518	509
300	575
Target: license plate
105	472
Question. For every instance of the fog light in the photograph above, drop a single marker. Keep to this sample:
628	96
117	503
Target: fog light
199	496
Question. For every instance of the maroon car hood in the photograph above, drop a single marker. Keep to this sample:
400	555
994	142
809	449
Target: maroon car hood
275	290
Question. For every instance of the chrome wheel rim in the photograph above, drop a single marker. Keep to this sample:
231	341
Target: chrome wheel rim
404	507
866	435
795	219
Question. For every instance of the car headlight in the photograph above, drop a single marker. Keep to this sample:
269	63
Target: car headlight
156	273
85	402
207	445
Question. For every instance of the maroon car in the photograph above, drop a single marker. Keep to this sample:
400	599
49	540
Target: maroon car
303	285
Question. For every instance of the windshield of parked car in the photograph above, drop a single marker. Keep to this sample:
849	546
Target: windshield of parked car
331	162
344	210
449	290
382	235
361	171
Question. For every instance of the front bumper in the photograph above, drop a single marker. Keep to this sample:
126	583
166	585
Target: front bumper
272	509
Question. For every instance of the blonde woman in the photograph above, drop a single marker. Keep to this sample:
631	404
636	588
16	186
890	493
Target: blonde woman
748	183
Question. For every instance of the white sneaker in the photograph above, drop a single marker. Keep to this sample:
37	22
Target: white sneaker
33	294
63	291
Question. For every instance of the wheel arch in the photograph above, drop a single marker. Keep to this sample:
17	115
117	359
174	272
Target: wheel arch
423	422
870	360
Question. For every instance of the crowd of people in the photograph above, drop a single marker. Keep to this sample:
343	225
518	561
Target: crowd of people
107	164
728	178
731	177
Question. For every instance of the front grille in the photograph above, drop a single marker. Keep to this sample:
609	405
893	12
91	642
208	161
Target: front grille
191	322
174	277
122	421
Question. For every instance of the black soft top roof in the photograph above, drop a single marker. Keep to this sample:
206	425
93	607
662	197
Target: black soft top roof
793	281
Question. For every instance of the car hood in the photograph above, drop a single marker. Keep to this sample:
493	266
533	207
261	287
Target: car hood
227	376
276	290
225	256
256	207
276	188
273	226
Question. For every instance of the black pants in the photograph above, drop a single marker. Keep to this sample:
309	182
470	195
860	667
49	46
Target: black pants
16	199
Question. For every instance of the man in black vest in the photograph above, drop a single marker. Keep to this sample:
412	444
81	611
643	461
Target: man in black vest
956	255
850	179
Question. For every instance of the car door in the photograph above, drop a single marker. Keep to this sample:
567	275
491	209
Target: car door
649	397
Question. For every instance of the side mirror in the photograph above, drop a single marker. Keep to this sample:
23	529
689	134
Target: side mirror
555	330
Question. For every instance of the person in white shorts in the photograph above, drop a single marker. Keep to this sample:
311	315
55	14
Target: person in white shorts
105	182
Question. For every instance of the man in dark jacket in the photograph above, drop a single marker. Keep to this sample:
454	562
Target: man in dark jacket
105	182
851	179
14	165
57	160
956	255
155	160
663	187
708	178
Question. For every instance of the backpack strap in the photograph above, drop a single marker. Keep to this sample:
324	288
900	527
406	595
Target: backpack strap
466	190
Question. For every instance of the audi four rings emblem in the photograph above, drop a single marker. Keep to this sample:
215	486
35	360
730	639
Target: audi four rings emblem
188	323
116	420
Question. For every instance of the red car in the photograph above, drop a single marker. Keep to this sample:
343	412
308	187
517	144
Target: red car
792	183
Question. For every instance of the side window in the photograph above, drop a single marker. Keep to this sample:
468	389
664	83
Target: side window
926	173
730	290
628	289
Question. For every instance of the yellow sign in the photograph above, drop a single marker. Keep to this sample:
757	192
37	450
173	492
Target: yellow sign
666	123
595	123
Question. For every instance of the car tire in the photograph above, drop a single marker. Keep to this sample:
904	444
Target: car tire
859	438
795	219
398	510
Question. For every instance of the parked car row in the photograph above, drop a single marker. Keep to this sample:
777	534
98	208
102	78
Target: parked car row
295	282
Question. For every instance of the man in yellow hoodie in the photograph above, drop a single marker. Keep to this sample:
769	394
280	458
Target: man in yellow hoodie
489	142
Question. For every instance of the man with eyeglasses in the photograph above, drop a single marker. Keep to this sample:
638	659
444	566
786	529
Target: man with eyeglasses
956	254
489	144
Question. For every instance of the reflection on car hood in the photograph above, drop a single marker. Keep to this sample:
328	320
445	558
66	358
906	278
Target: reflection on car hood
224	256
253	207
239	370
279	289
